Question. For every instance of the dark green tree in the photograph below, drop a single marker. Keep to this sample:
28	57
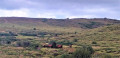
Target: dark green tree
54	45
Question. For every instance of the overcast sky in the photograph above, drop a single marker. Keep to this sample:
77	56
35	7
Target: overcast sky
61	8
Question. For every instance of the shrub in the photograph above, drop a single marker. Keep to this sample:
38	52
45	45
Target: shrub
65	42
8	34
44	20
107	56
34	29
34	46
55	54
7	40
94	42
28	34
22	43
83	52
64	56
75	40
3	42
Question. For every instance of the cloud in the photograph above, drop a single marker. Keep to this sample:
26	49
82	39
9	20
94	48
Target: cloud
61	8
83	16
45	15
18	13
24	13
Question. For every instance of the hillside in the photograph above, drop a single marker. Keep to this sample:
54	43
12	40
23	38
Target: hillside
27	37
60	25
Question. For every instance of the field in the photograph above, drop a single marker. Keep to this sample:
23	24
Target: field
24	37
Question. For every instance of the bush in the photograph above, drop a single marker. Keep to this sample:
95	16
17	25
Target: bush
22	43
83	52
55	54
28	34
3	42
65	42
75	40
7	40
8	34
34	29
107	56
64	56
34	46
94	42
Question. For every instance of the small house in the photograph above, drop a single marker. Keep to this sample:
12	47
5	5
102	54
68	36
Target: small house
53	45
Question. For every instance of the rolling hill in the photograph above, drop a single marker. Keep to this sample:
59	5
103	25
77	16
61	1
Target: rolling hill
49	24
26	36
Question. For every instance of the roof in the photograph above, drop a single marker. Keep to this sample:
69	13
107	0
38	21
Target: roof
50	45
59	45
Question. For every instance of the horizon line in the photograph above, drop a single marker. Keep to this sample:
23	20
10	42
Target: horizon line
59	18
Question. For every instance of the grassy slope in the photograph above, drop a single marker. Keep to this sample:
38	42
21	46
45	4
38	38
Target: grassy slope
28	24
20	23
105	32
107	37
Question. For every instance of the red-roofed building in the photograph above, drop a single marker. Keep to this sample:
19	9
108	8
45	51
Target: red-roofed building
53	45
59	46
50	45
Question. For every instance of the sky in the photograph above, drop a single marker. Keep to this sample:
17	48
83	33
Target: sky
60	8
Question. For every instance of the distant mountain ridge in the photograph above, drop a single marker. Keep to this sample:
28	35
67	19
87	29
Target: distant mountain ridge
82	23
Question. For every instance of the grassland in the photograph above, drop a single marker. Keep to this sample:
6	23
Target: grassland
102	34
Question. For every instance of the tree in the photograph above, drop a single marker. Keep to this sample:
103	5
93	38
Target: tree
34	28
75	32
54	45
67	18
